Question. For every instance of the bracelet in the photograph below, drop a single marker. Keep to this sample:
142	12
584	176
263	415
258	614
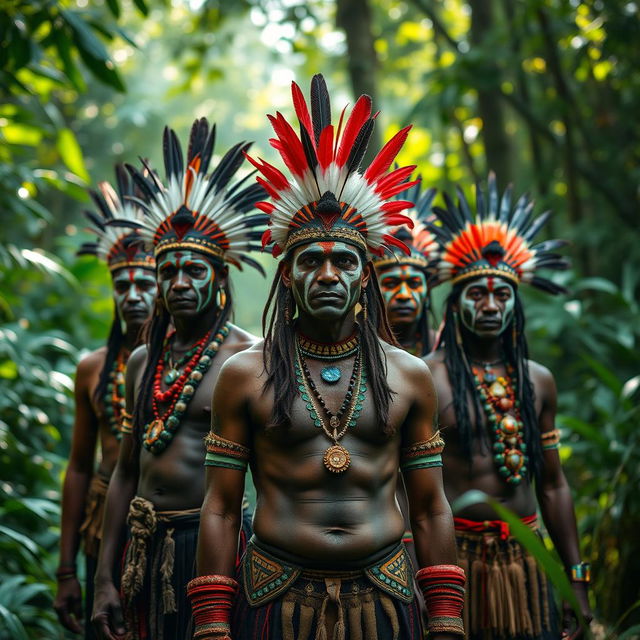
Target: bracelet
211	600
580	572
443	589
66	572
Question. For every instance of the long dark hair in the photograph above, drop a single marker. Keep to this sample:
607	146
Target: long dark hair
516	353
424	334
114	344
279	349
154	333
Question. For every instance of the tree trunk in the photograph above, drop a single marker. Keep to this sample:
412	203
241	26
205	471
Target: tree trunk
496	141
355	19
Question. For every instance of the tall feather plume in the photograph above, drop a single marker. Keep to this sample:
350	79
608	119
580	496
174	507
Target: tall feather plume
320	105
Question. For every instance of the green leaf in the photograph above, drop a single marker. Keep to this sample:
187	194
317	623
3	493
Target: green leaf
114	7
631	633
142	7
103	70
608	377
20	538
596	284
585	430
63	45
84	37
71	153
13	624
529	540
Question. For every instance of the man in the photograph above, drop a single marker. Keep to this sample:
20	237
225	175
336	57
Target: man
498	409
336	412
196	226
404	278
99	397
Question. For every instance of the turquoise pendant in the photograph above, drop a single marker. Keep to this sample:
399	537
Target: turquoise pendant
171	376
331	374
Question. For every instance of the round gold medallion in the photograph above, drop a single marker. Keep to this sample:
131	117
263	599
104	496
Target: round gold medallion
337	459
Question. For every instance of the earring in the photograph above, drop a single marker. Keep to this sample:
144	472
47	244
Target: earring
221	297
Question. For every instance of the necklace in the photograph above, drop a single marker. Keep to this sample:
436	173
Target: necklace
175	367
329	351
114	401
336	458
161	430
503	414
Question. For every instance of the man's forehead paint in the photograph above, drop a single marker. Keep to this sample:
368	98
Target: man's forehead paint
326	247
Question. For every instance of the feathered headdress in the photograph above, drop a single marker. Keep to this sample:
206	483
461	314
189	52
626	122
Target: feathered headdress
329	198
196	210
118	247
497	241
420	239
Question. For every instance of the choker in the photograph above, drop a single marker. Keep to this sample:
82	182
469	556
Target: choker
326	350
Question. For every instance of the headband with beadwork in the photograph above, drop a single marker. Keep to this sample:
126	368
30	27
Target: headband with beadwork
496	241
328	197
119	247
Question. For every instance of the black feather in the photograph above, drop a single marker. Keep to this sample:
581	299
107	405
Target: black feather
141	182
536	225
123	181
360	146
95	219
547	285
101	203
228	166
307	145
320	105
253	263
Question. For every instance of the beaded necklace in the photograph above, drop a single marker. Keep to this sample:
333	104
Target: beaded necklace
114	397
159	433
336	458
329	351
502	409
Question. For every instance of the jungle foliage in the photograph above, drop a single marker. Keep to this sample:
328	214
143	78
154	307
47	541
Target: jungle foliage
544	92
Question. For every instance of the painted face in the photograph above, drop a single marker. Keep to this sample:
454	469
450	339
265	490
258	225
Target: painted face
187	282
486	305
326	279
404	288
134	291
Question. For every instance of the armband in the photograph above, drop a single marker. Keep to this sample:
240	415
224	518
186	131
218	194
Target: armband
443	589
211	600
550	440
225	453
580	572
126	423
423	455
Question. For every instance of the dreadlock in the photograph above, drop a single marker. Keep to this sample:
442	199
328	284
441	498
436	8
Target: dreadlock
154	334
279	349
114	344
516	354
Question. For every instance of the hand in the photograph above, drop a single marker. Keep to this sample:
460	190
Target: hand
68	604
571	630
107	612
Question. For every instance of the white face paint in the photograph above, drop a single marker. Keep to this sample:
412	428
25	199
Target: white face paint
486	305
326	279
134	292
404	288
186	281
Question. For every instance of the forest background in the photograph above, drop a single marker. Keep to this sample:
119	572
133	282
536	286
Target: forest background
546	93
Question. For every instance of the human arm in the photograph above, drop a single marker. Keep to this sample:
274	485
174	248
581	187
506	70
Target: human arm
221	513
107	611
430	513
556	504
68	601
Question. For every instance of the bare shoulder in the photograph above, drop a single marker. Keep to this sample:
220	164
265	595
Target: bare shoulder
90	366
406	365
435	361
243	365
137	360
542	379
239	339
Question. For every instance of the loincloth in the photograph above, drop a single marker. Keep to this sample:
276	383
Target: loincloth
284	601
91	527
507	596
159	561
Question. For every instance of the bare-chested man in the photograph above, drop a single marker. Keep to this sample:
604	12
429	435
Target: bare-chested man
196	225
326	410
404	278
99	398
497	410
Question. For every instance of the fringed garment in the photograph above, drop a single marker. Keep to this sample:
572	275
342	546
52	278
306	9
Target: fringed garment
159	561
507	596
91	527
279	600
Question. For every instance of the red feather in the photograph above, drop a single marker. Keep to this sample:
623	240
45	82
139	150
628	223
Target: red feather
325	147
267	207
396	205
291	148
359	115
397	219
389	192
268	188
302	111
266	238
276	251
396	176
275	176
386	156
397	243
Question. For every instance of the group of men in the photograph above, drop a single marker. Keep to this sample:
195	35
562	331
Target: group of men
341	411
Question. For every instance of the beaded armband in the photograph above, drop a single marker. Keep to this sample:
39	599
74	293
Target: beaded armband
126	423
550	440
423	455
443	589
580	572
211	600
225	453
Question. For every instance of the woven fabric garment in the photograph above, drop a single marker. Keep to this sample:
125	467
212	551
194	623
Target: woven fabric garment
507	596
91	527
159	561
327	604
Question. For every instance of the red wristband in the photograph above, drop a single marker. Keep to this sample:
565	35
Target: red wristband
443	589
211	601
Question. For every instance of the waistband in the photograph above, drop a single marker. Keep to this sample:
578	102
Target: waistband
492	526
